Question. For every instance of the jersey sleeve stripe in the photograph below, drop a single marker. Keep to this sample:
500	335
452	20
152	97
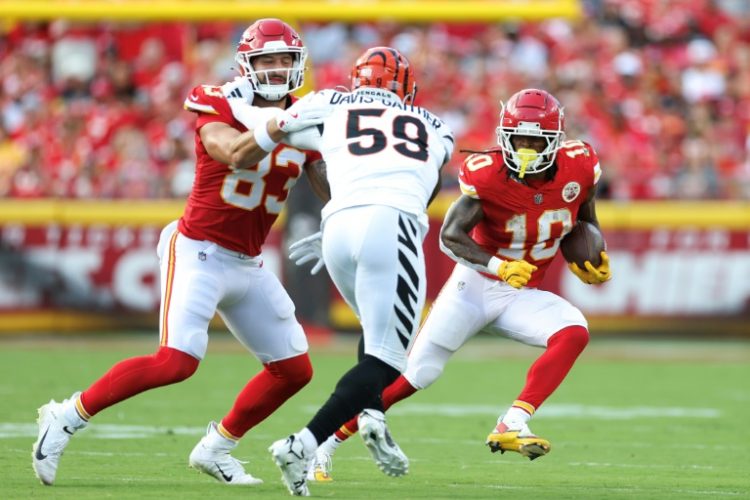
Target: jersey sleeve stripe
597	172
199	108
468	190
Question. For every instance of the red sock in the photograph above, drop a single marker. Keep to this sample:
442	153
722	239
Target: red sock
269	389
135	375
548	372
398	390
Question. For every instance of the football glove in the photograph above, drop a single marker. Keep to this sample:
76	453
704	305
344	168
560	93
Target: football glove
304	113
593	275
516	273
308	249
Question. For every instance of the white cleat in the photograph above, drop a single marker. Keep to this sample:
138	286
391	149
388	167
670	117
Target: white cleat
211	456
289	455
321	467
386	453
54	434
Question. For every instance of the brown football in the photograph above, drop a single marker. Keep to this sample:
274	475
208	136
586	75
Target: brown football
584	242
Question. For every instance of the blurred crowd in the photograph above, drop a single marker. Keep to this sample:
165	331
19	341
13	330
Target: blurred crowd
660	88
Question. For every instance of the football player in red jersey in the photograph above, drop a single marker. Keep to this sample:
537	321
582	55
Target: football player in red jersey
210	261
517	203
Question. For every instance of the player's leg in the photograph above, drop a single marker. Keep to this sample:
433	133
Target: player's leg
188	300
455	316
372	252
562	330
322	463
389	320
260	314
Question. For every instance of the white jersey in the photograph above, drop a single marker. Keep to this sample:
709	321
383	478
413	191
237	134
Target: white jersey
378	151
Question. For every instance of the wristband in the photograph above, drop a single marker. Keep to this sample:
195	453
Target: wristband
494	265
263	140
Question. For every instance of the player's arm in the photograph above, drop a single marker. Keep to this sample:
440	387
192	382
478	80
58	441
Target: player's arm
228	145
455	241
248	148
316	174
587	211
462	216
591	274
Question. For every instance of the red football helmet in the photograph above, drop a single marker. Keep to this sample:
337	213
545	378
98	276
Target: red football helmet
531	112
385	68
271	36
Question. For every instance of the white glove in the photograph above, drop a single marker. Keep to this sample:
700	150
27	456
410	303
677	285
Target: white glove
304	113
308	249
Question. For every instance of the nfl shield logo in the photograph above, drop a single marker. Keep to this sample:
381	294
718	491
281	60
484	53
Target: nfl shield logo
538	199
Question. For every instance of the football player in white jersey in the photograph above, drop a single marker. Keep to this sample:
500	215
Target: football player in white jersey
383	158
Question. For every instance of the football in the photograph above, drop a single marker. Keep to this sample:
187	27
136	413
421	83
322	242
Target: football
584	242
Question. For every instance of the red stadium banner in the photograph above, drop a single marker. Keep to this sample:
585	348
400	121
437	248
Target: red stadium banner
69	266
76	277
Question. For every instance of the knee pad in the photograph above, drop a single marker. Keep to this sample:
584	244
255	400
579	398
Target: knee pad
426	363
575	336
295	372
175	365
424	375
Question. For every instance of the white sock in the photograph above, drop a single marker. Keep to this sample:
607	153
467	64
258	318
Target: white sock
515	417
71	415
215	439
330	445
309	443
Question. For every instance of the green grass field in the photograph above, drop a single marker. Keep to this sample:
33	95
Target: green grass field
633	420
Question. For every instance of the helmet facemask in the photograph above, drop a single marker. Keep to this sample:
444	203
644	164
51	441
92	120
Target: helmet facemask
259	78
542	117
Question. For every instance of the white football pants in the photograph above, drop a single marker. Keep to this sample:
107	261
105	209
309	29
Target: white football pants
470	303
374	256
200	278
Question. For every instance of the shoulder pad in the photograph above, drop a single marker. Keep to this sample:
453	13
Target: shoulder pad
206	99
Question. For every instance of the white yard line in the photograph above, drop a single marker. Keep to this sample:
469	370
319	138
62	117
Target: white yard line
552	411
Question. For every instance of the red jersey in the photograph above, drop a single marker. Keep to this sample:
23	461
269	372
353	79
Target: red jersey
528	221
235	208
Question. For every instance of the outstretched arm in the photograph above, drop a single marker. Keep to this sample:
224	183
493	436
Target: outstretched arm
247	150
250	147
228	145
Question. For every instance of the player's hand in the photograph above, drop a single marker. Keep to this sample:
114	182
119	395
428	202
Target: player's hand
308	249
593	275
304	113
516	273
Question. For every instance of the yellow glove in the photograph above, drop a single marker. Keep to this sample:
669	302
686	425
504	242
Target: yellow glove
516	273
593	275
